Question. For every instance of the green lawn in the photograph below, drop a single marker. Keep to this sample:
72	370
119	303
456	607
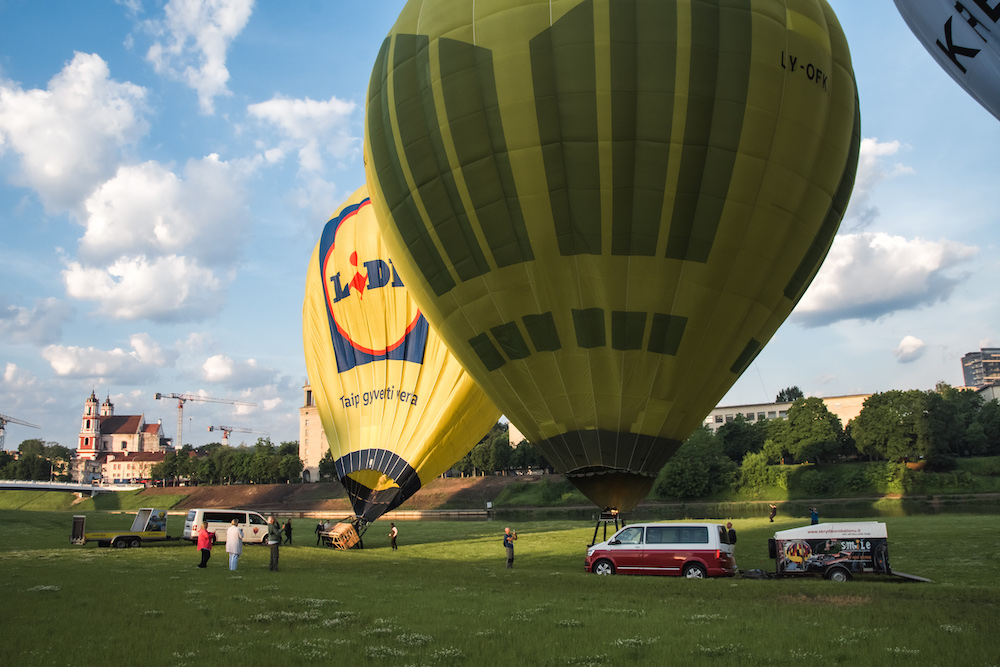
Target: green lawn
445	598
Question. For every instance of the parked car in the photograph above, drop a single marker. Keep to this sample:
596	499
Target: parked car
692	550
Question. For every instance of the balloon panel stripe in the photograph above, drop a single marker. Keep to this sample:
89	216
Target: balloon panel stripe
824	238
666	332
487	352
420	136
627	329
542	331
511	341
589	326
392	180
565	85
473	109
643	66
721	45
748	354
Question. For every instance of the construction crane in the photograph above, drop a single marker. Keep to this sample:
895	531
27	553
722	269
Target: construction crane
4	420
181	398
226	430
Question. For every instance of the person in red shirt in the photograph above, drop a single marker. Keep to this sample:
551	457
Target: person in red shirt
204	544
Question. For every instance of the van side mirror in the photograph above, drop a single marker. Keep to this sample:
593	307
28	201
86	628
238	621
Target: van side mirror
612	542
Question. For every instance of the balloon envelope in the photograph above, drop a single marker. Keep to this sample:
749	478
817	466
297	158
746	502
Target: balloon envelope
608	208
397	408
964	39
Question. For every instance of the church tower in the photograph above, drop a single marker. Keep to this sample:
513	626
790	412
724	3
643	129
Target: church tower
107	407
90	429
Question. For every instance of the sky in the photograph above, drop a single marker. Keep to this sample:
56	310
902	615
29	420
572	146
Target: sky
166	169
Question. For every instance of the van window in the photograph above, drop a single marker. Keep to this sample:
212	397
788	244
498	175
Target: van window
723	535
661	535
190	516
257	519
225	517
692	535
631	535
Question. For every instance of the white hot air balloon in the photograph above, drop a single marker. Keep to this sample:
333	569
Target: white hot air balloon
964	39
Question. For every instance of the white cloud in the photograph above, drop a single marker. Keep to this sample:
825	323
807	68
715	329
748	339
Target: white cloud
147	209
149	351
869	275
39	325
195	37
873	168
221	369
165	289
910	349
157	245
17	380
116	366
69	137
312	128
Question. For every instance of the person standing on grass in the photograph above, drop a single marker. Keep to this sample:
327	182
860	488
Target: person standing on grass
774	511
814	516
509	536
319	529
288	531
273	541
204	544
234	544
731	536
392	535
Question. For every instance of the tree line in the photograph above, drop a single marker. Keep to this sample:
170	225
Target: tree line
930	427
215	463
37	461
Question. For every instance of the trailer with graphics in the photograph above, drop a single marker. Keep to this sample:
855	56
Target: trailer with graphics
149	525
837	551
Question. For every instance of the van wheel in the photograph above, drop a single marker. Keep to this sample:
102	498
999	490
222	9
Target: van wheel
604	567
837	574
695	571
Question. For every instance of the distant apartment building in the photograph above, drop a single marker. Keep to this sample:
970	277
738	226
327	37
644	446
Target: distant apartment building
982	369
130	468
845	407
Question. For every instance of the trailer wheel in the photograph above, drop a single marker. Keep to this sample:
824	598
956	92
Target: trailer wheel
839	574
119	543
134	543
604	567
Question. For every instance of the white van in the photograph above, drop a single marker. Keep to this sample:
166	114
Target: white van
692	550
254	524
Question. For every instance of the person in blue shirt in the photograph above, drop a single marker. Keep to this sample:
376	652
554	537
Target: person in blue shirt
508	543
814	516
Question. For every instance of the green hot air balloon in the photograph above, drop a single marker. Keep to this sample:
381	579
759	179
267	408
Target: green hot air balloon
606	208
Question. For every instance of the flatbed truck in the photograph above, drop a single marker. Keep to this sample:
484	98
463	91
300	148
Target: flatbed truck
149	525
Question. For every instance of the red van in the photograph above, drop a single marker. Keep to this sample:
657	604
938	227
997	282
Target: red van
693	550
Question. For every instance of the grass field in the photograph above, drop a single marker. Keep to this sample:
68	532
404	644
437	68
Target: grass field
445	598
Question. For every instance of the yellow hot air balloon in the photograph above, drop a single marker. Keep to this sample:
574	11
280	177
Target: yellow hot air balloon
606	208
397	408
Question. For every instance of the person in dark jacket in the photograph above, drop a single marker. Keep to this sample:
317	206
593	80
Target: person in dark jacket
288	531
273	541
774	512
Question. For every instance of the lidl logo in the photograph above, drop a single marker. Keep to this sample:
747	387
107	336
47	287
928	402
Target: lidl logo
371	315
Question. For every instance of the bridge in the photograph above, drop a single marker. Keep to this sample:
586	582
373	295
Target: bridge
92	489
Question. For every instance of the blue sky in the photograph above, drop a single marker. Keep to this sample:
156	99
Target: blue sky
166	169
